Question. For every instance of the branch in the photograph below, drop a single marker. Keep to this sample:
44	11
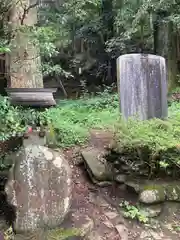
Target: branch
26	11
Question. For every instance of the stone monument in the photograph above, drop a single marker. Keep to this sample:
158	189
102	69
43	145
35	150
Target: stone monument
39	183
39	186
142	86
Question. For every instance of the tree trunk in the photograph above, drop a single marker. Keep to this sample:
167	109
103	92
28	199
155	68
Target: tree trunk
108	18
108	33
24	59
165	44
172	58
160	34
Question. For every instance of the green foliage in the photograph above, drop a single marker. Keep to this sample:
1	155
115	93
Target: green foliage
4	48
72	120
67	29
10	121
56	234
64	29
14	120
134	212
156	134
151	147
34	117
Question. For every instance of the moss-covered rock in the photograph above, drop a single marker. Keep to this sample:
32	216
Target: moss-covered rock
160	192
173	192
152	194
152	210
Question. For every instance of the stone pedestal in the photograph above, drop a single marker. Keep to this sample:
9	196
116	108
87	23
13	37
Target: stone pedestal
142	86
39	186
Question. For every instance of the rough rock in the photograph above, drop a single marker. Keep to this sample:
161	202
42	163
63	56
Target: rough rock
100	183
152	210
151	235
123	231
120	178
40	187
173	192
152	194
134	185
160	192
87	225
169	191
96	165
101	139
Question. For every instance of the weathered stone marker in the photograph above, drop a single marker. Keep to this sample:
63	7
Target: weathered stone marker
142	86
39	186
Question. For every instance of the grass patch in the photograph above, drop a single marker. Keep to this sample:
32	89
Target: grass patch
72	120
149	148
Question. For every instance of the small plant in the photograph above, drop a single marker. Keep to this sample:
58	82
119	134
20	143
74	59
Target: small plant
10	121
14	121
134	212
33	117
176	227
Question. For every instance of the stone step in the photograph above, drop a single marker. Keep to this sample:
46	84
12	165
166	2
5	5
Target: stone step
96	165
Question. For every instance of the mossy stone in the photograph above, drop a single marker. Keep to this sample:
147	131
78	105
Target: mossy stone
173	192
152	194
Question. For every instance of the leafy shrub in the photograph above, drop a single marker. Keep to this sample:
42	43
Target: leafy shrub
10	121
174	96
150	147
34	117
14	120
134	212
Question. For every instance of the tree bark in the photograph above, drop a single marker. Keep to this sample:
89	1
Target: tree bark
24	58
172	58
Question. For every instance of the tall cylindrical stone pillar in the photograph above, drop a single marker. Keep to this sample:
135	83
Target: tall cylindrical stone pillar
142	86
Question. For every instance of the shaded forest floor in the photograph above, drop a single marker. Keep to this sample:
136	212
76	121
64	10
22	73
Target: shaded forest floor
101	205
98	207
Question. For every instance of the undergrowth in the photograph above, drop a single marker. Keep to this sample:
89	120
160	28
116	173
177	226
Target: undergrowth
150	147
72	120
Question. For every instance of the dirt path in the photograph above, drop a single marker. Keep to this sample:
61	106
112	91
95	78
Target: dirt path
88	202
96	209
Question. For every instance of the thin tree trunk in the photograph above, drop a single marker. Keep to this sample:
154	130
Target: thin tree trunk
172	58
24	59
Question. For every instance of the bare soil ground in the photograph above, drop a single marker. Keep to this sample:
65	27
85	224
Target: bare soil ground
100	205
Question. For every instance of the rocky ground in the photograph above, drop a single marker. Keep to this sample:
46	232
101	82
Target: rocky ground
95	209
